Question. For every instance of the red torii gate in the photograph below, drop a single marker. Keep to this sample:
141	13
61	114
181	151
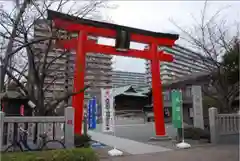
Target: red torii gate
82	45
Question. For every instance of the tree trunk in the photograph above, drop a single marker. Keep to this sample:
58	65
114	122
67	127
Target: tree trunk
40	102
10	43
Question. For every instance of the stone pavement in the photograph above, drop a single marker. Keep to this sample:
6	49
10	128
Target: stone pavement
126	145
209	153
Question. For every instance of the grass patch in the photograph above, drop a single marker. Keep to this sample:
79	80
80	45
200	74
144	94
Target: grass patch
76	154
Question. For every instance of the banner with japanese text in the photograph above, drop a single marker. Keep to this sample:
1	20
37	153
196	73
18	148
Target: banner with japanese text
176	97
107	101
92	122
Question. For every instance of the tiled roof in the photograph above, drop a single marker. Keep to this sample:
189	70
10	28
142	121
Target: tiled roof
127	91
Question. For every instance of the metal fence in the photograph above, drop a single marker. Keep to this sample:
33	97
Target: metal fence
57	128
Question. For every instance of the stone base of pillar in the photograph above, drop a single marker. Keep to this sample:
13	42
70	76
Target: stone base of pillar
160	138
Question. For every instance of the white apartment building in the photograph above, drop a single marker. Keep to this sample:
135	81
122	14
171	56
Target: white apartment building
98	68
185	62
124	78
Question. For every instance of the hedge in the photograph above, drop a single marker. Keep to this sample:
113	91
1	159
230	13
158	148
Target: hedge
196	133
77	154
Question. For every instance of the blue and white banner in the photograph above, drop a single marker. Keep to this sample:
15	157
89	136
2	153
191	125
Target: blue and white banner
94	110
92	113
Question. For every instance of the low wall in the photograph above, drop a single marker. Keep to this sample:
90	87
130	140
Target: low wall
56	127
224	128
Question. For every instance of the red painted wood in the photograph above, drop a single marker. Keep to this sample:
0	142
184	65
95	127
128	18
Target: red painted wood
83	46
67	44
78	100
93	47
157	93
69	26
112	51
165	57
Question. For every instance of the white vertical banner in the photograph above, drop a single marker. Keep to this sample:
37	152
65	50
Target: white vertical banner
107	101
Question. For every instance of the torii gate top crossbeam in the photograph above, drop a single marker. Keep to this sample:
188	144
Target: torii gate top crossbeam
76	24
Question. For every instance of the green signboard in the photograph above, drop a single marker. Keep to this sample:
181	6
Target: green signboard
176	97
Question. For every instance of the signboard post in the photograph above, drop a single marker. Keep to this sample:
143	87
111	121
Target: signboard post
177	116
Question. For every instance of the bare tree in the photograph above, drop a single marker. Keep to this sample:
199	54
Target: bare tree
212	38
31	67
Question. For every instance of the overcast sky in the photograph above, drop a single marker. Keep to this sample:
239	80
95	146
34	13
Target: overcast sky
155	16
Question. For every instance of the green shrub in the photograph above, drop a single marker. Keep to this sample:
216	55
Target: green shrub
82	140
196	133
78	154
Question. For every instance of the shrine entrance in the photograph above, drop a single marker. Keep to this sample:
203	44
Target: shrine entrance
123	36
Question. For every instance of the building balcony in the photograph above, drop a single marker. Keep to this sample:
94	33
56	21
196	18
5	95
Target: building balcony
96	66
175	70
58	81
59	85
51	74
56	87
102	62
103	56
57	67
94	59
97	78
98	74
41	46
38	31
59	61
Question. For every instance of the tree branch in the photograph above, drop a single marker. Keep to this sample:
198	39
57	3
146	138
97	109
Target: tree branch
52	81
51	106
17	81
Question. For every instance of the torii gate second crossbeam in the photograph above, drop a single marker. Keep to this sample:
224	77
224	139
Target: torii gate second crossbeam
82	45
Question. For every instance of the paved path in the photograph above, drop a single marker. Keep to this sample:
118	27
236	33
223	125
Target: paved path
138	132
214	153
126	145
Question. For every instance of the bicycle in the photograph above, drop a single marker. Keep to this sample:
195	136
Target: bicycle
21	144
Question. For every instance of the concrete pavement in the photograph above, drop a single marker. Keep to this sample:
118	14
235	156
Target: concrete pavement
209	153
126	145
138	132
